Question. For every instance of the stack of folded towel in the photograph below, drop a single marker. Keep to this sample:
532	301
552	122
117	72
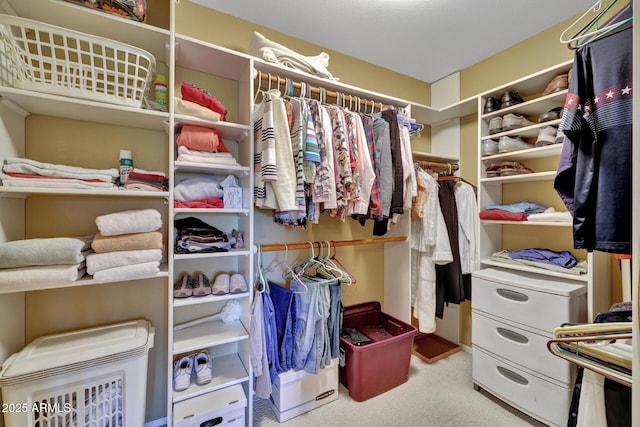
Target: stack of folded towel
139	179
127	246
203	145
43	261
20	172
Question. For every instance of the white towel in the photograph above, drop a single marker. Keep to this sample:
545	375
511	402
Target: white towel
127	272
44	251
40	276
198	188
129	222
185	150
97	262
73	170
10	181
55	173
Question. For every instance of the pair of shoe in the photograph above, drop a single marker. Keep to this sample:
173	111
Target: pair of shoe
200	286
226	283
508	99
506	168
507	144
197	366
553	114
489	147
549	135
508	122
558	83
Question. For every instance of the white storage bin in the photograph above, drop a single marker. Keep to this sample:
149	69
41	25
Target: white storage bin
91	377
529	299
223	408
297	392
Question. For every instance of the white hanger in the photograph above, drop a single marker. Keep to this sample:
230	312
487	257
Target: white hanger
596	8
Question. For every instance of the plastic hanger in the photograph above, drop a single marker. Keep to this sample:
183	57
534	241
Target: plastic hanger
349	277
594	34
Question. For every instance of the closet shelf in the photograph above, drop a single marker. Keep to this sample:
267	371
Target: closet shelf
86	280
232	252
419	155
191	301
532	107
530	223
22	192
207	334
531	269
227	371
527	177
192	167
529	153
85	110
524	132
226	130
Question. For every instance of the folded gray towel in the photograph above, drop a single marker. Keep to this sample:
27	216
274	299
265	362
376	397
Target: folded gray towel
44	251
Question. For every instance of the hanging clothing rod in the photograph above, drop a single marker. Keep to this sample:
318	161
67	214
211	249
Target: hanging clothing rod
341	98
437	165
297	246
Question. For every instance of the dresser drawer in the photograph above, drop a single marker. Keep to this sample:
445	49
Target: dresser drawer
539	398
520	346
532	300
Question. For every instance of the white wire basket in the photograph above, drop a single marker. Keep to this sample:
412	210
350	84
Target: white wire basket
46	58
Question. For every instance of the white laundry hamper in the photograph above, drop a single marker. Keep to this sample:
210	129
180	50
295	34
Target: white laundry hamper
93	377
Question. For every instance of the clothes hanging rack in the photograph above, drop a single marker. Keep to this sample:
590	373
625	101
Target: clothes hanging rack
345	100
273	247
437	165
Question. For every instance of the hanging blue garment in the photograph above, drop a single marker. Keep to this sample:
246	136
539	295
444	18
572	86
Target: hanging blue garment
285	313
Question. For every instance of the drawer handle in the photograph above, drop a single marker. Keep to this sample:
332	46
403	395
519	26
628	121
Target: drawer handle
512	376
513	336
513	295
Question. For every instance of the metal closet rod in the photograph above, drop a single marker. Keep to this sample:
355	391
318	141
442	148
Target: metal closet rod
346	99
316	244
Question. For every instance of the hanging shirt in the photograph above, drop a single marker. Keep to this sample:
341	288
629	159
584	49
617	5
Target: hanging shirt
467	227
367	174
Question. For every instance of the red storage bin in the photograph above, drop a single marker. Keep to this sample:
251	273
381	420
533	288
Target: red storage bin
371	369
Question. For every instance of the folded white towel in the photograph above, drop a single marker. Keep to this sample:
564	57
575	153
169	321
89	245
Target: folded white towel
189	108
221	161
40	276
185	150
129	222
44	251
97	262
550	215
127	272
54	173
198	188
73	170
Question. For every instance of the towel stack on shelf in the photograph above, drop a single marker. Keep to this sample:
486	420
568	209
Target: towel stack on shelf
139	179
44	261
127	246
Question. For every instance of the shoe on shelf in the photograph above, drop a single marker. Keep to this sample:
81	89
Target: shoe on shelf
559	137
511	121
553	114
182	287
546	136
237	284
489	147
203	367
507	144
510	98
513	168
558	83
491	105
182	373
493	169
201	285
495	125
220	284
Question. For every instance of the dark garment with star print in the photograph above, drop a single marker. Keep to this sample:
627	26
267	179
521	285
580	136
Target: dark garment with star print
594	172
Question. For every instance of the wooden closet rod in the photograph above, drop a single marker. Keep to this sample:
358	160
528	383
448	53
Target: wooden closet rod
297	246
346	99
436	165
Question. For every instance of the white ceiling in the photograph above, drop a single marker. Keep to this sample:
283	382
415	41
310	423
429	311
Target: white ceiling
424	39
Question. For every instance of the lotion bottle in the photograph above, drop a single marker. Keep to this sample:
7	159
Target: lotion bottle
126	165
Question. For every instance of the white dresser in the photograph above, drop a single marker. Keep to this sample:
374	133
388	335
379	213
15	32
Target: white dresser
514	314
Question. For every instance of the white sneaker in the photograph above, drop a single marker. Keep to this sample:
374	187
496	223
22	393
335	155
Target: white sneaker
220	284
489	147
511	121
237	284
495	125
546	136
559	137
203	367
182	373
506	144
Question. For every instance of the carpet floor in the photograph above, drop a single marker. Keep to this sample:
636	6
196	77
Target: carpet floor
439	395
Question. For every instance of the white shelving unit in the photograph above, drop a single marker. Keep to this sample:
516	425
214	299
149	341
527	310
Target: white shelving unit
568	297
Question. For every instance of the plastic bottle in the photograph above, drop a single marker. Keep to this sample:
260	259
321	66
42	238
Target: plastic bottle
126	165
160	89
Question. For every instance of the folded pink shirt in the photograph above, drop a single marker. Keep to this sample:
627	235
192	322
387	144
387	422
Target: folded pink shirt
201	139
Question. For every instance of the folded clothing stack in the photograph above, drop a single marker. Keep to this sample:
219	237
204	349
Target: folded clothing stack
201	191
139	179
200	144
20	172
518	211
46	261
127	246
559	261
196	95
196	236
